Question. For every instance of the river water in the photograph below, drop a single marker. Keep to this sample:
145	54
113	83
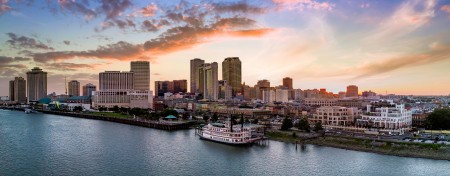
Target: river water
42	144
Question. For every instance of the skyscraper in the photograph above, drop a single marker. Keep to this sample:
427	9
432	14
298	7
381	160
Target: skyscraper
11	90
116	80
88	89
208	78
74	88
20	90
36	84
141	70
232	73
195	65
287	82
179	86
352	91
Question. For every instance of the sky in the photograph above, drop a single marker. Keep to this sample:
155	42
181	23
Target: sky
400	47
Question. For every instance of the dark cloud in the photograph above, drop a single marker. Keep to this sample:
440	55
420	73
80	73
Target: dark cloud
77	7
63	66
19	42
115	8
67	42
120	50
10	66
149	26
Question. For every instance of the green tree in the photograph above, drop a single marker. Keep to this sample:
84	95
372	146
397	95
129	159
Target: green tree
286	124
215	117
303	124
205	118
115	109
255	121
318	126
439	119
168	112
78	108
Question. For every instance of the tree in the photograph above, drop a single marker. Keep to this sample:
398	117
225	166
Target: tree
255	121
205	118
115	109
78	108
168	112
303	124
287	124
439	119
318	126
215	117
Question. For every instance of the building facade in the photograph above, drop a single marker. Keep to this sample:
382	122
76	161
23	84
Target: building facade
287	82
282	95
335	116
74	88
141	70
319	102
225	90
352	91
393	117
195	66
18	90
232	73
208	78
116	80
88	89
36	84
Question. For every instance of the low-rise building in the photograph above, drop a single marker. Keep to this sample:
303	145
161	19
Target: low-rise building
335	115
388	117
320	101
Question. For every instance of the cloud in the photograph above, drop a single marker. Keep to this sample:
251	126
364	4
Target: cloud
10	66
437	52
19	42
149	10
4	7
237	7
67	42
446	8
64	66
74	7
410	16
113	9
303	5
120	51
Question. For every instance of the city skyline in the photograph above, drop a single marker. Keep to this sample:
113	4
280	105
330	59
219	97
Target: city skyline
401	47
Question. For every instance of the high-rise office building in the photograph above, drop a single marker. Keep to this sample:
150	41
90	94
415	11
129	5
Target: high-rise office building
74	88
232	73
352	91
180	86
195	65
36	84
208	78
141	70
287	82
161	87
11	90
88	89
263	83
18	90
116	80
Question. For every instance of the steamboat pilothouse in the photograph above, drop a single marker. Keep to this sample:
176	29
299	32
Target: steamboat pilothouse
239	134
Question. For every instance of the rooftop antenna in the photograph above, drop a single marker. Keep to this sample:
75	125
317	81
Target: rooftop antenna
65	83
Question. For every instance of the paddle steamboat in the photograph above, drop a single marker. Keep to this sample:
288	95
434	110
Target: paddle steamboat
239	134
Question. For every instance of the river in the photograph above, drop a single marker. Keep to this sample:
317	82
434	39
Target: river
43	144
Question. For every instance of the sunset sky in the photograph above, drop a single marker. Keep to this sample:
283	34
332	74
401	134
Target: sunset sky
401	47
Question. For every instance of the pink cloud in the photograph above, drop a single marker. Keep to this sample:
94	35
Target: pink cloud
446	8
149	10
303	5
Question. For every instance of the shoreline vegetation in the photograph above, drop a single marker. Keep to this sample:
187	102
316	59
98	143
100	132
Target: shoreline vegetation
403	149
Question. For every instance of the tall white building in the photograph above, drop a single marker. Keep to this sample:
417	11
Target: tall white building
116	80
268	96
141	70
194	81
208	78
392	118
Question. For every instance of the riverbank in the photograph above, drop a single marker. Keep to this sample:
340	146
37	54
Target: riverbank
404	149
